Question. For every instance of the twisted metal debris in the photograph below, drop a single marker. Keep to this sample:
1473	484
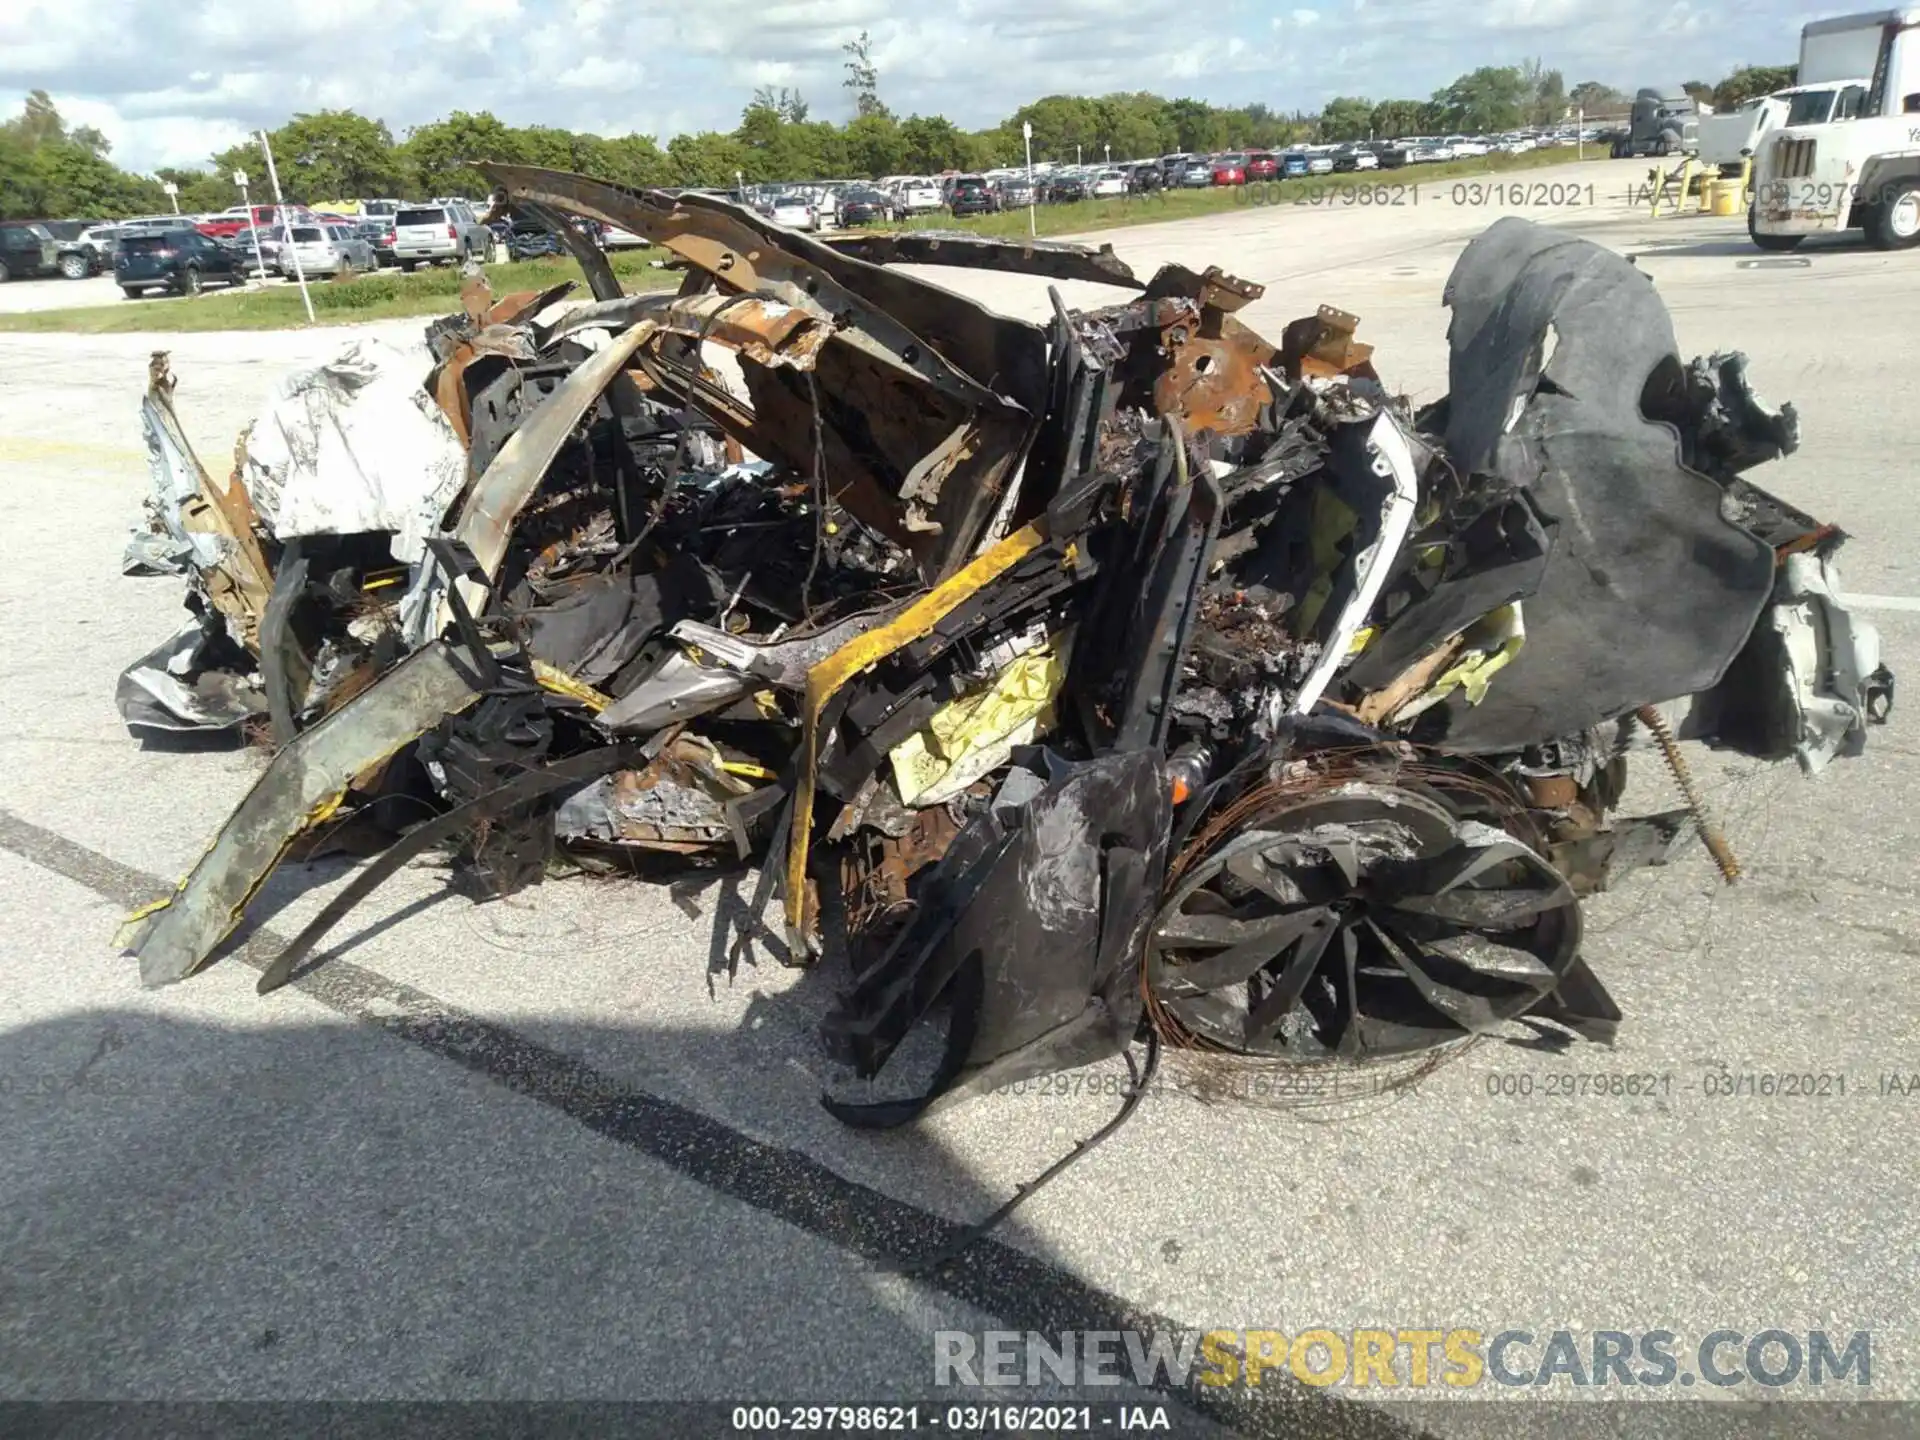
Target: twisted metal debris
1124	675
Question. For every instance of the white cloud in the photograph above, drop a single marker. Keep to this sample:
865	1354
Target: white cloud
170	81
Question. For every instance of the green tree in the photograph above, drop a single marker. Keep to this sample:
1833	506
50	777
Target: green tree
1195	125
202	190
38	122
1346	117
1699	90
710	160
1490	98
760	127
863	79
434	155
790	105
934	144
1394	118
1751	80
1063	125
636	160
875	146
1546	93
49	172
1136	125
336	155
1592	96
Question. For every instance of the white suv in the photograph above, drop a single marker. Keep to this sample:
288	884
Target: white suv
432	233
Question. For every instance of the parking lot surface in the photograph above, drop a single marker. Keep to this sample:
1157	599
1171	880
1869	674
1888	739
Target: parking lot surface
18	297
406	1179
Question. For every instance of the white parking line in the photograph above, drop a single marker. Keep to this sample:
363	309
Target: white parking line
1883	602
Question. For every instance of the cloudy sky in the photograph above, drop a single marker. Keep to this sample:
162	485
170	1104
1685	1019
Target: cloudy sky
170	81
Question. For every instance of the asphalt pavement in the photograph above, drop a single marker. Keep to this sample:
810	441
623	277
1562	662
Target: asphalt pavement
549	1149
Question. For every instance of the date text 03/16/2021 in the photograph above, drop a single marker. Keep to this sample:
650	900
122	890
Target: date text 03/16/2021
959	1419
1390	195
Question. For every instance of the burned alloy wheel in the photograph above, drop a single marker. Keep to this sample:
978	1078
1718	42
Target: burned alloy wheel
1359	921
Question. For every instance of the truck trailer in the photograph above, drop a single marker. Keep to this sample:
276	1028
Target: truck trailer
1858	169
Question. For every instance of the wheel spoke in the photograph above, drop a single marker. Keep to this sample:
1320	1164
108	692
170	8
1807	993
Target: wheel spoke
1216	931
1344	851
1352	1042
1288	882
1370	919
1275	1005
1264	944
1466	998
1483	911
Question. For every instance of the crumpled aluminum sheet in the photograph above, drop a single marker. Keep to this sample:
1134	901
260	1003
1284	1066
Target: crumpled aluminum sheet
178	688
355	445
165	546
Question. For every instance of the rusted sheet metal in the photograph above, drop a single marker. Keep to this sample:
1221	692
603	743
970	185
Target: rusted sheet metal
240	584
768	332
487	515
1213	379
876	876
825	680
1216	538
764	331
1054	259
494	327
779	422
946	452
450	391
1321	345
677	803
734	243
521	305
1212	289
743	254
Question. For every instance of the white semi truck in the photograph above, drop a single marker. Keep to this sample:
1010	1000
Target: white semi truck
1859	170
1729	138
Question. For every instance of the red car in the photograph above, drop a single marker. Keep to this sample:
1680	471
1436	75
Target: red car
1262	165
229	223
1230	169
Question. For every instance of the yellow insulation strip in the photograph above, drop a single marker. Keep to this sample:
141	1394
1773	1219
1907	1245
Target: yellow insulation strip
1490	643
150	908
825	679
973	733
1329	529
553	678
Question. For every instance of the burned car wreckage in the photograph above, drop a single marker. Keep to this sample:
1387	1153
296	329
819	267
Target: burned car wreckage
1128	675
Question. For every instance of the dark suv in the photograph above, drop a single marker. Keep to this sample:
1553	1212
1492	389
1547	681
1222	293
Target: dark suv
972	195
177	260
27	249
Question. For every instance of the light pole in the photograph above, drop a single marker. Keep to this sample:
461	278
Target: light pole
1076	155
253	225
1580	133
172	192
1109	150
1026	132
286	227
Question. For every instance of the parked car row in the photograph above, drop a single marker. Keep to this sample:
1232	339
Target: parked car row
289	239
